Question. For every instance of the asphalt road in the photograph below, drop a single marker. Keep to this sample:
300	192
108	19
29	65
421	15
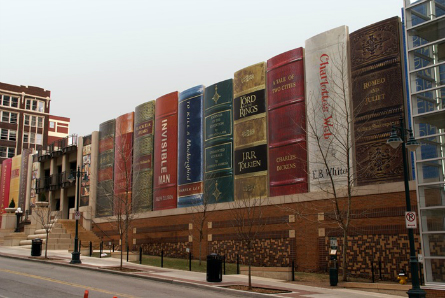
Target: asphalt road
20	278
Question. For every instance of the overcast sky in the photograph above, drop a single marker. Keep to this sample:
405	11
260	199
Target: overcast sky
100	59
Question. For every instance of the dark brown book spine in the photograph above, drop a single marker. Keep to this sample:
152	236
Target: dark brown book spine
378	100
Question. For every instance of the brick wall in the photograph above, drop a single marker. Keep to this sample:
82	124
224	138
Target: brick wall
296	231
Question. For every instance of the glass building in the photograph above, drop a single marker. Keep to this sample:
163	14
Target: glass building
425	49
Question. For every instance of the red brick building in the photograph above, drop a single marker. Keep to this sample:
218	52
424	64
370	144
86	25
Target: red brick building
24	112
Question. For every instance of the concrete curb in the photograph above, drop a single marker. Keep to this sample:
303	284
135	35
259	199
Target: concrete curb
165	280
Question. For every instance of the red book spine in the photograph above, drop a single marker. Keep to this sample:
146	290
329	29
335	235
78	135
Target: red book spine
4	186
166	152
287	124
123	161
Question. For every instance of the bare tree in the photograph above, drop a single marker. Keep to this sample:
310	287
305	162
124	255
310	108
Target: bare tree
46	218
330	140
120	198
249	222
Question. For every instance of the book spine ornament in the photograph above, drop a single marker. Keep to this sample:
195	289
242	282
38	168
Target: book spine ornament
143	157
190	147
218	140
378	100
165	152
287	124
123	163
105	186
250	132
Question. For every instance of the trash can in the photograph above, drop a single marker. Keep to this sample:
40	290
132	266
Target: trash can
214	268
36	247
333	276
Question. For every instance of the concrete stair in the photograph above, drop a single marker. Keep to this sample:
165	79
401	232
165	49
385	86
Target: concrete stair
13	239
3	233
58	238
84	236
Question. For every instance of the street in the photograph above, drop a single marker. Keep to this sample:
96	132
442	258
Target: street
20	278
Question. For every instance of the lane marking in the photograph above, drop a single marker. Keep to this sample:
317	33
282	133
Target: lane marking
67	283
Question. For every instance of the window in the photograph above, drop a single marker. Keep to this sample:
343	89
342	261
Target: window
25	137
15	102
33	138
5	117
9	101
26	119
39	122
9	117
8	135
33	121
51	124
39	139
28	104
7	152
34	105
41	106
6	100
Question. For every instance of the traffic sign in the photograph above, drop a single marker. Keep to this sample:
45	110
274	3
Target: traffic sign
77	215
411	220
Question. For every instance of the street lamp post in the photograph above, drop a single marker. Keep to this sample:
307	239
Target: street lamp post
75	255
18	213
412	144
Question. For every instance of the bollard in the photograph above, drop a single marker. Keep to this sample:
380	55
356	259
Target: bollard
100	249
140	255
380	269
91	248
372	272
190	261
293	270
162	258
127	252
113	247
224	260
86	294
237	264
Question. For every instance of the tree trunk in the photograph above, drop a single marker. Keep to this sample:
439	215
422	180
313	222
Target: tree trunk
46	244
343	255
250	267
122	251
200	251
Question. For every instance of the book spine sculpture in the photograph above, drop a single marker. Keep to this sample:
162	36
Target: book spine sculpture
190	147
287	124
123	163
250	132
165	152
105	186
218	140
378	99
328	114
143	157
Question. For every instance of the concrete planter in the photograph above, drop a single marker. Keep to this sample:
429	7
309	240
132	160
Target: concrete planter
42	204
10	210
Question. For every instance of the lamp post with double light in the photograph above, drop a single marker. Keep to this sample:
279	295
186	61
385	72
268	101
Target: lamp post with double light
411	144
75	256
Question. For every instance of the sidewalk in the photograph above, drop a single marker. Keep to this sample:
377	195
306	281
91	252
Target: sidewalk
190	278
